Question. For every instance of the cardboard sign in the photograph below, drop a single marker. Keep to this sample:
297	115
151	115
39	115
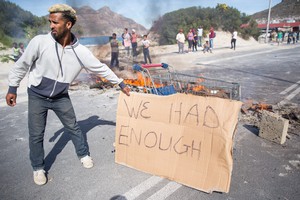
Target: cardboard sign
182	137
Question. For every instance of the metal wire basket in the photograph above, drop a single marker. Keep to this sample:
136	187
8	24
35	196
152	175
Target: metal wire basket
161	79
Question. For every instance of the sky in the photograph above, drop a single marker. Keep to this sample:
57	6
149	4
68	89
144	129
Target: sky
145	11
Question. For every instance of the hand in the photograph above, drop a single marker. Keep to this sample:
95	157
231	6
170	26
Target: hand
126	90
11	99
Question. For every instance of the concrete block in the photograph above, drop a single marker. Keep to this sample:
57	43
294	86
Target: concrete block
273	127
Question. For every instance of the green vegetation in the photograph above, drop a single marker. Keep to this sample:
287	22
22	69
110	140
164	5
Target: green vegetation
17	25
222	17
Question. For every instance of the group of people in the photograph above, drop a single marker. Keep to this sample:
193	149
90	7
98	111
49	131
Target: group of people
17	51
279	36
129	40
194	39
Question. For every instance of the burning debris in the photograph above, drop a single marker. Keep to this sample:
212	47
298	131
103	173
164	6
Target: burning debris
161	79
90	81
252	114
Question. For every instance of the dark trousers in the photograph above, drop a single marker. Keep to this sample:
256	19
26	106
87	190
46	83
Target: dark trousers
195	45
146	55
134	46
37	117
114	58
233	41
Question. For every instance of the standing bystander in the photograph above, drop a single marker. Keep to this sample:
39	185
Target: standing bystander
52	62
127	41
200	34
190	38
180	38
212	35
146	45
195	41
279	37
114	44
134	43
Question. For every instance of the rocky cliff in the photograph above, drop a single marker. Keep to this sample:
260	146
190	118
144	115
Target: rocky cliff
104	22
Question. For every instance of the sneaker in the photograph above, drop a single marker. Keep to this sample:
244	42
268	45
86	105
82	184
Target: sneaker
39	177
87	162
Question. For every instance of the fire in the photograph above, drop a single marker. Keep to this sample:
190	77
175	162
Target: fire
141	81
198	88
146	82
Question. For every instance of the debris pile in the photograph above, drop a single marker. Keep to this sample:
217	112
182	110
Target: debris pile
91	81
252	114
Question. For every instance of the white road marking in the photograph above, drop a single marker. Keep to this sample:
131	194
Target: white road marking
165	191
293	94
284	92
142	187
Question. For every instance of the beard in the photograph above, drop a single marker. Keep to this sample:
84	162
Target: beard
59	35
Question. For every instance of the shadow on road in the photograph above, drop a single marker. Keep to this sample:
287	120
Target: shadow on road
85	126
252	129
118	197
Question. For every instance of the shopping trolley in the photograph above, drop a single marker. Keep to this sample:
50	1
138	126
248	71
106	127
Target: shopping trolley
162	79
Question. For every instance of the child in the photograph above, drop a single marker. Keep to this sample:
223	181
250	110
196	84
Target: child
206	47
114	51
146	44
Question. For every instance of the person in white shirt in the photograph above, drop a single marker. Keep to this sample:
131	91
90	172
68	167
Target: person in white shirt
200	34
180	38
233	39
146	45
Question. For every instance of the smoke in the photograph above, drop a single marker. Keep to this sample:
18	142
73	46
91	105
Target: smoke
74	3
153	10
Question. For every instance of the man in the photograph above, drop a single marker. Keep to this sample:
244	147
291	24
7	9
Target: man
233	39
279	37
200	34
211	36
114	44
180	38
53	61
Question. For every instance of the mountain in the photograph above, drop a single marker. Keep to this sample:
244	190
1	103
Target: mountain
104	22
287	10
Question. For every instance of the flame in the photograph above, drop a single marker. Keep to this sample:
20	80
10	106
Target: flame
264	106
141	81
198	88
193	88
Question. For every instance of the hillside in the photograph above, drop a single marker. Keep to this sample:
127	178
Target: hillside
17	23
286	10
104	22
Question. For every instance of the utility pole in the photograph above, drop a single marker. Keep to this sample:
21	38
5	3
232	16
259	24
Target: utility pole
268	23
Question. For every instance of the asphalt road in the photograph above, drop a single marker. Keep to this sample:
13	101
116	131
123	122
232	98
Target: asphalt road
262	170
